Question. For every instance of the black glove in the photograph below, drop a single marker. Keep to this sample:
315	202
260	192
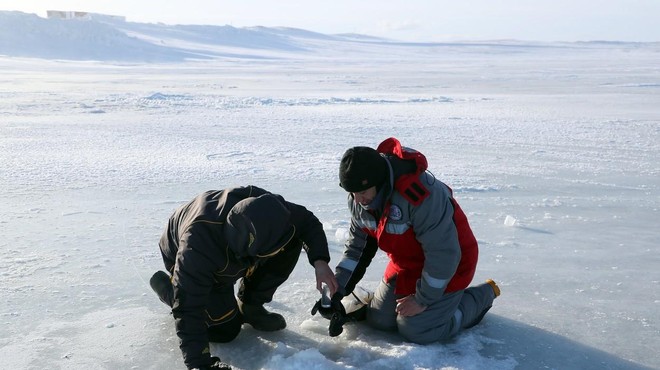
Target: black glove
216	364
335	313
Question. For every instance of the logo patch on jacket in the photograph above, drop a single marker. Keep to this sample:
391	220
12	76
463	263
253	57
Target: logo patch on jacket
395	213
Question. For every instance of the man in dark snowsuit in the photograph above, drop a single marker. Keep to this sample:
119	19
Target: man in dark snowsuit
400	208
220	237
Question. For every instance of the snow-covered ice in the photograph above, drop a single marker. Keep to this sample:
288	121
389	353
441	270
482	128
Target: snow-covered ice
552	149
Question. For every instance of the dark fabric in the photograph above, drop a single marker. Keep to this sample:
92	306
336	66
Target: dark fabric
392	147
400	166
263	221
223	317
362	167
260	284
161	284
202	252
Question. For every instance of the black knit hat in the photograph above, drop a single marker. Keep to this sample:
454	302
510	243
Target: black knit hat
362	167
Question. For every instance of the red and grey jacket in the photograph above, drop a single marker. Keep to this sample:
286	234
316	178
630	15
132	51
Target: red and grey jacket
421	227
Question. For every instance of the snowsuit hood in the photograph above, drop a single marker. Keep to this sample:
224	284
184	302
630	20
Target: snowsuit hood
258	226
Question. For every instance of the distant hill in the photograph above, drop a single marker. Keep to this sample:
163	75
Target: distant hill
109	39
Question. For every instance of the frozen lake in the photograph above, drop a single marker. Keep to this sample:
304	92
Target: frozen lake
562	141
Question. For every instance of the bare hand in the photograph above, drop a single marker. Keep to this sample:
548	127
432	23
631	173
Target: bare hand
325	275
408	306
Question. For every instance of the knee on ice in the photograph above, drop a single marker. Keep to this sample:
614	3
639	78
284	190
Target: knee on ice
424	335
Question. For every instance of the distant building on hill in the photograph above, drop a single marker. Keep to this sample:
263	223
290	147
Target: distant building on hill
70	14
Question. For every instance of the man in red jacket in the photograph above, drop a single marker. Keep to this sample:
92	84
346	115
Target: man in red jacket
400	208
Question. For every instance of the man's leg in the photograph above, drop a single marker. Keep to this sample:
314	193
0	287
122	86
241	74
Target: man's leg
438	322
476	302
259	285
223	318
455	311
381	312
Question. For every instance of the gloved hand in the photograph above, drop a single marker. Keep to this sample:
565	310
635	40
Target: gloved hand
335	313
216	364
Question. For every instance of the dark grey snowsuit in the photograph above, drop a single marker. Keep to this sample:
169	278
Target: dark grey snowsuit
222	236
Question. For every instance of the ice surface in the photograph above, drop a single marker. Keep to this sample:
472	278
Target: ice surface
95	155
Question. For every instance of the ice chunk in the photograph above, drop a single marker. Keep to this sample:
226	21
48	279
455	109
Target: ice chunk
510	221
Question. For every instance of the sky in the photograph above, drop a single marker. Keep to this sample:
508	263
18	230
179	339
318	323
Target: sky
406	20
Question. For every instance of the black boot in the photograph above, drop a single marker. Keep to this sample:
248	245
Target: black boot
161	284
260	318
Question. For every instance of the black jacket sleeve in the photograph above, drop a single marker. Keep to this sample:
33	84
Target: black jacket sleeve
192	280
310	230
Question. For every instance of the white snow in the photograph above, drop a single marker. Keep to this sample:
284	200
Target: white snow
552	150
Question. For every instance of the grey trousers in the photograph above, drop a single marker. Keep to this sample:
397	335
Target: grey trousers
440	321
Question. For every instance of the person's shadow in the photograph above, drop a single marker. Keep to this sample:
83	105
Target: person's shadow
504	342
534	348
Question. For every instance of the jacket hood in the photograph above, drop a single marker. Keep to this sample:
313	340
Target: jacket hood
258	227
